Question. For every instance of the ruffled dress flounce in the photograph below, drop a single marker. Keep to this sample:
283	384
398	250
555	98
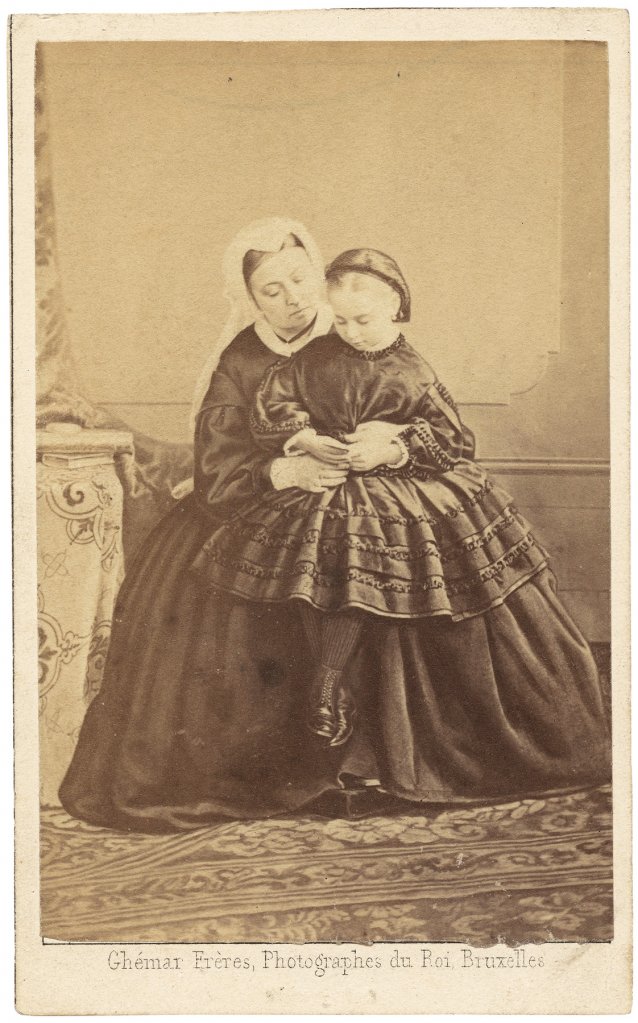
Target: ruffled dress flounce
435	537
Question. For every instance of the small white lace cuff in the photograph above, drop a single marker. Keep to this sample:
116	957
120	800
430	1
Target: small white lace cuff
405	454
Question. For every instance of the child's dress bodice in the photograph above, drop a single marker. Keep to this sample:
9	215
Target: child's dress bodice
433	537
334	389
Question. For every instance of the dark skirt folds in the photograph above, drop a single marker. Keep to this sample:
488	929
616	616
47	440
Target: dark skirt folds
449	543
201	711
506	704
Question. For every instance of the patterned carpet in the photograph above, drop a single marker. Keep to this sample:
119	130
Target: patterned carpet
529	871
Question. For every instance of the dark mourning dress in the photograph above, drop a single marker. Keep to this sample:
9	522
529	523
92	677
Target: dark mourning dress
202	707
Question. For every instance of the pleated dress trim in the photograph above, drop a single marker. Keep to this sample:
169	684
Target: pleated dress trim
395	547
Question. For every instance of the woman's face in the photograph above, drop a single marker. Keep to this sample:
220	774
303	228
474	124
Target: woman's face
364	309
286	288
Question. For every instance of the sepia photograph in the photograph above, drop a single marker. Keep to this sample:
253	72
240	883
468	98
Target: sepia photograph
322	465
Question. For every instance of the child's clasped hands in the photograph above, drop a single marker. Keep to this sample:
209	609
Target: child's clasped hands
370	445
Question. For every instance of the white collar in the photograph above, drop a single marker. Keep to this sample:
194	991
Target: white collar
265	333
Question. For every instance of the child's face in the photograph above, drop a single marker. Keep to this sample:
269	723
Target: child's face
364	310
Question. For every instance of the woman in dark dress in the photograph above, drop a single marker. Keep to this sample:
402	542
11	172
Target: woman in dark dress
201	709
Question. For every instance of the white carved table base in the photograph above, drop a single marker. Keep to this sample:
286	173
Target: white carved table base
80	567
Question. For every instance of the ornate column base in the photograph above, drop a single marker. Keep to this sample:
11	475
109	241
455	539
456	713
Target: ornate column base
80	567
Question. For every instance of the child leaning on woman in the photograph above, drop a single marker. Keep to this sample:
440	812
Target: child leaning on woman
418	530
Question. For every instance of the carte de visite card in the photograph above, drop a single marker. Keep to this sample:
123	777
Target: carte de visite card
321	406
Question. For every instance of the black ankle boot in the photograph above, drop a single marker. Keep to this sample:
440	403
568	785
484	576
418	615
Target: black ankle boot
332	708
322	709
345	714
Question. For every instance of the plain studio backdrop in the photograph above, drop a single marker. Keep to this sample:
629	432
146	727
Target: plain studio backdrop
482	167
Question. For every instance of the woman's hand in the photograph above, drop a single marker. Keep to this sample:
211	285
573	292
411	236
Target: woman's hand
372	444
306	473
326	449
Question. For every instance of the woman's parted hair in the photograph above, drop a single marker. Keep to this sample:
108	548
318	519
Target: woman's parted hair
255	257
376	264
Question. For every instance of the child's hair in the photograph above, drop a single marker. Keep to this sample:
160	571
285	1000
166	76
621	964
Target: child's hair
377	264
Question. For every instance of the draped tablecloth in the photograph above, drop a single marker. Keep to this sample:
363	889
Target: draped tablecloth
80	567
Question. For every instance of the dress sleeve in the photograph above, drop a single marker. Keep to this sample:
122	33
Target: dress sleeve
229	467
436	437
278	412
